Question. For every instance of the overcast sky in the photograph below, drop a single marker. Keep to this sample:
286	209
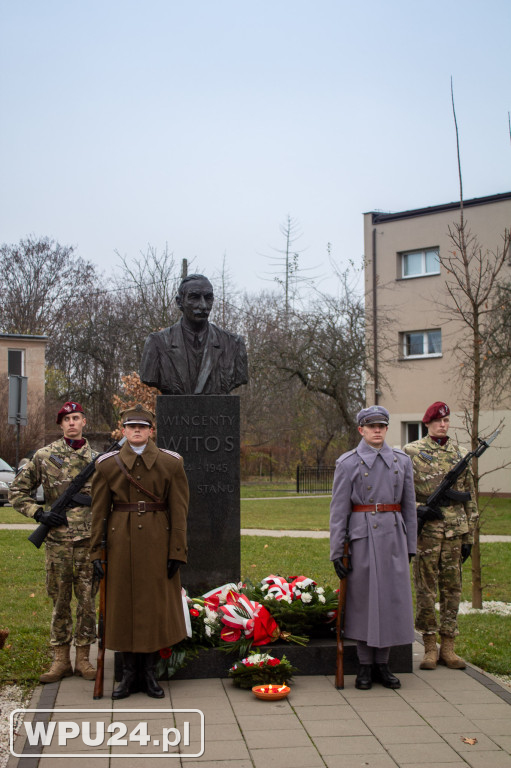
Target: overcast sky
205	124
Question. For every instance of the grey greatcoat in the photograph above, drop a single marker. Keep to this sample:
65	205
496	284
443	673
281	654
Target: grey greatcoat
144	609
379	600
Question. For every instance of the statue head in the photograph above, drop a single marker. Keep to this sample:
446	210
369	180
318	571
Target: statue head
195	299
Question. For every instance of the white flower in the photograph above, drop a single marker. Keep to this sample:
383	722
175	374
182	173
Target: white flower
210	615
197	607
265	586
287	598
321	599
306	598
320	590
209	631
268	597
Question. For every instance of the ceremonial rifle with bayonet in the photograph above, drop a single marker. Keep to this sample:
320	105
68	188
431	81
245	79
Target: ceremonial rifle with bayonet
70	498
445	494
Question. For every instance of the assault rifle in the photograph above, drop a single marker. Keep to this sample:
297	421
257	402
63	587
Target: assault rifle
71	497
444	494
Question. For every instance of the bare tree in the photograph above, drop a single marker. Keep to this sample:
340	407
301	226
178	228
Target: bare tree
41	282
474	286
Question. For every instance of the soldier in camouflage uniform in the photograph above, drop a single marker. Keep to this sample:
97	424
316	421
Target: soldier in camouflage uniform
443	543
67	546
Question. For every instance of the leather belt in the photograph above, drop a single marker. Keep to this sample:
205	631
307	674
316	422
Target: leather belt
376	508
139	506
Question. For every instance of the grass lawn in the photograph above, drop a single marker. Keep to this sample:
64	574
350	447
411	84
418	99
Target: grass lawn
311	513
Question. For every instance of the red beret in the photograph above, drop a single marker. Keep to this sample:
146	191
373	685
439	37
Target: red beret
436	411
69	407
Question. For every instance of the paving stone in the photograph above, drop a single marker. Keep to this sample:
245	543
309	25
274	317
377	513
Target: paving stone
488	759
386	717
458	724
273	739
348	745
267	722
327	713
360	761
403	734
317	728
496	727
429	753
299	757
436	709
486	712
484	743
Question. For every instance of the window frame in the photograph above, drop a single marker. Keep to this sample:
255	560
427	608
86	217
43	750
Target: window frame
422	252
422	431
425	336
22	354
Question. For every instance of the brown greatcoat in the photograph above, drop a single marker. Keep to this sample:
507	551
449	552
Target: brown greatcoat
144	610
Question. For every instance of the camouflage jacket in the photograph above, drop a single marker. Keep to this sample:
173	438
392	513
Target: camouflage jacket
431	462
54	466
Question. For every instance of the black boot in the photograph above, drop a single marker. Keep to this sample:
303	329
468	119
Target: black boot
364	678
127	685
384	676
151	684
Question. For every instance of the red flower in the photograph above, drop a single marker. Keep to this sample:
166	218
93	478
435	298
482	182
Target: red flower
194	612
166	653
212	602
230	635
273	662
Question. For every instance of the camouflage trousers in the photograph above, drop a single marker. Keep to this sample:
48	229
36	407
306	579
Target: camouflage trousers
67	567
437	569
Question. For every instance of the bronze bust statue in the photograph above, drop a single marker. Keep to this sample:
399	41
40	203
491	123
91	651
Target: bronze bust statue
194	356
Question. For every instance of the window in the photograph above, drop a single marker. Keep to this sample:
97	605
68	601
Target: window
414	430
15	362
420	263
422	344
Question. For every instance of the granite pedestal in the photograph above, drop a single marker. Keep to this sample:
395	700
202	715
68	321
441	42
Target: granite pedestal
205	430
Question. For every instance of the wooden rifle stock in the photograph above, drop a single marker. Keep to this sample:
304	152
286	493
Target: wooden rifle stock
100	666
341	614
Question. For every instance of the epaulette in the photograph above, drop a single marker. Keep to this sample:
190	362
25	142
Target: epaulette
171	453
346	455
106	456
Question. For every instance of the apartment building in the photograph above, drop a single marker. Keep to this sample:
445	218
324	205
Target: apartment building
411	333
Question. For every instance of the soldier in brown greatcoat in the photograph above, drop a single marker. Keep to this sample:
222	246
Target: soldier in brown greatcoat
140	494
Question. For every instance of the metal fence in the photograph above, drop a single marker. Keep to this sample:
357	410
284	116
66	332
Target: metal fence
314	479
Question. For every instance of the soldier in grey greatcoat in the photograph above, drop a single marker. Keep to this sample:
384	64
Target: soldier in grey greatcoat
67	546
373	506
445	539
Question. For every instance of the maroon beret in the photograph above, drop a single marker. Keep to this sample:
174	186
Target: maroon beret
436	411
69	407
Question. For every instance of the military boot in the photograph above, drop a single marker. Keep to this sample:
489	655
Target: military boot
447	655
83	667
128	684
151	684
60	667
430	652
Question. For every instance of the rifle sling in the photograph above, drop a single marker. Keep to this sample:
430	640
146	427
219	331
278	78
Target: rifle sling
132	480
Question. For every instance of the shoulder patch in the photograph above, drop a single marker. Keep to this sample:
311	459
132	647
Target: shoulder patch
106	456
171	453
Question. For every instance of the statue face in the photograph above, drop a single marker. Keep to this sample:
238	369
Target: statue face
196	301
